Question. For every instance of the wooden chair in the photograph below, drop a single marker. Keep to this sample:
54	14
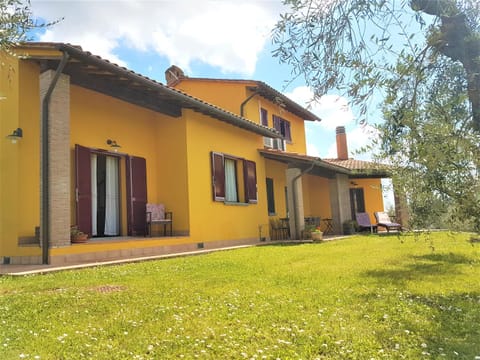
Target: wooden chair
279	229
156	214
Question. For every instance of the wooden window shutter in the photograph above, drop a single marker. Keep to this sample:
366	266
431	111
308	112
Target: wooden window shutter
277	123
218	177
250	175
136	195
83	190
288	134
264	116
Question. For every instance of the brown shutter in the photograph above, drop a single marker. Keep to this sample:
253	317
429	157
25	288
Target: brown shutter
288	133
276	123
83	191
218	177
250	176
264	116
136	195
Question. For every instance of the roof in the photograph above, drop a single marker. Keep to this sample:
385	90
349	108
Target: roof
327	167
97	74
268	93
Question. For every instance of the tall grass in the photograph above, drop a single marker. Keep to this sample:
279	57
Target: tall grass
367	297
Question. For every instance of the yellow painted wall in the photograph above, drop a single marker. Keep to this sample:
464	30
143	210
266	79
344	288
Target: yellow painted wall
212	220
229	95
276	171
316	196
19	163
372	189
158	138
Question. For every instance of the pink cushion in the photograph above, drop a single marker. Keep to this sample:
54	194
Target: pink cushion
157	211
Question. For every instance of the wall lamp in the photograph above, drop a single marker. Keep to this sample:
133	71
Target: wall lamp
113	144
16	135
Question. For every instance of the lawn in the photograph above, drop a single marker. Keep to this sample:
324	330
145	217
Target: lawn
366	297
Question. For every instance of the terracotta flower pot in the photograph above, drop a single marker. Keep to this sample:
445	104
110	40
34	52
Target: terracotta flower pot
79	239
317	236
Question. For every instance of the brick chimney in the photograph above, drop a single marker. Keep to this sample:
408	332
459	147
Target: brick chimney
173	74
342	148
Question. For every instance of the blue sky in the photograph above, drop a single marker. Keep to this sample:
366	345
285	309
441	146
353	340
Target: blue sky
218	39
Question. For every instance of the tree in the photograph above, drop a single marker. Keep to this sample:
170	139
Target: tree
422	57
16	20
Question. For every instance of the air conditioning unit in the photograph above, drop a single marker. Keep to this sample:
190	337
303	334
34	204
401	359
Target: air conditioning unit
279	144
268	142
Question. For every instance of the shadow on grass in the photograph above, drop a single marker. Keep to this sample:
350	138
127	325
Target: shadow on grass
421	266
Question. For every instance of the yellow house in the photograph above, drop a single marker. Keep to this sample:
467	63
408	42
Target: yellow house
299	187
91	143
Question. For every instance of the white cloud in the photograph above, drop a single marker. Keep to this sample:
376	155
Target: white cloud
227	34
334	110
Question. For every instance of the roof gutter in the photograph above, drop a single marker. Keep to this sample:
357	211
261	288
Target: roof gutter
45	226
242	105
185	100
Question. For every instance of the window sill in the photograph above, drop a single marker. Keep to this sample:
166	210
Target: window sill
233	203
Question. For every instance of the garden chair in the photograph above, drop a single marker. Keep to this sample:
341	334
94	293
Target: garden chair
384	220
279	229
156	214
363	221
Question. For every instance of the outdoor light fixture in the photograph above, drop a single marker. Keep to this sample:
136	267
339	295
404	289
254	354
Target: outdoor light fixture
16	135
113	144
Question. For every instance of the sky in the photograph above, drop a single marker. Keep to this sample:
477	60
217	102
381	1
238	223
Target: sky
206	38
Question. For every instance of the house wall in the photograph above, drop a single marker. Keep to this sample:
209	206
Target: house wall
214	220
157	138
94	119
372	190
276	171
19	163
316	196
229	95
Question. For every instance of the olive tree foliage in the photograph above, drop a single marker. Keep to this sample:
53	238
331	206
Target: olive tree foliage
16	20
422	59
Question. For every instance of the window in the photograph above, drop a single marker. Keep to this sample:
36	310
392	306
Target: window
234	180
357	201
282	126
270	197
264	117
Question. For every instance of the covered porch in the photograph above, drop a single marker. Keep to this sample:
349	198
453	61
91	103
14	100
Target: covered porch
324	189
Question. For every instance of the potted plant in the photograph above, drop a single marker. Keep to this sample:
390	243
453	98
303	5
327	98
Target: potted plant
77	236
317	234
349	227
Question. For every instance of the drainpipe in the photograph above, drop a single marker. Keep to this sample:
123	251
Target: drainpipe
45	226
242	105
294	189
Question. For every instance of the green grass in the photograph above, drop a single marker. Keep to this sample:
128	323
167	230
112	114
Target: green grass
367	297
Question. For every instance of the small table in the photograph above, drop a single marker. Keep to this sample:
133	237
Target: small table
328	223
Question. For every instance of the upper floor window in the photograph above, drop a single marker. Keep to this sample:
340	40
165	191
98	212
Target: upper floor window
264	117
234	179
282	126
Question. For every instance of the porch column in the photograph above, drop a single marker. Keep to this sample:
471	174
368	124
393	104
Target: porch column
58	158
340	201
295	202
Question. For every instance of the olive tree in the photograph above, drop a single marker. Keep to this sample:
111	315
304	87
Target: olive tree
16	21
422	59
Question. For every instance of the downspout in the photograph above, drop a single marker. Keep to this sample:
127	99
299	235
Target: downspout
294	189
45	226
242	105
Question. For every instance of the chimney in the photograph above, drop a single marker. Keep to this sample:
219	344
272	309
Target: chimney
342	148
173	74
